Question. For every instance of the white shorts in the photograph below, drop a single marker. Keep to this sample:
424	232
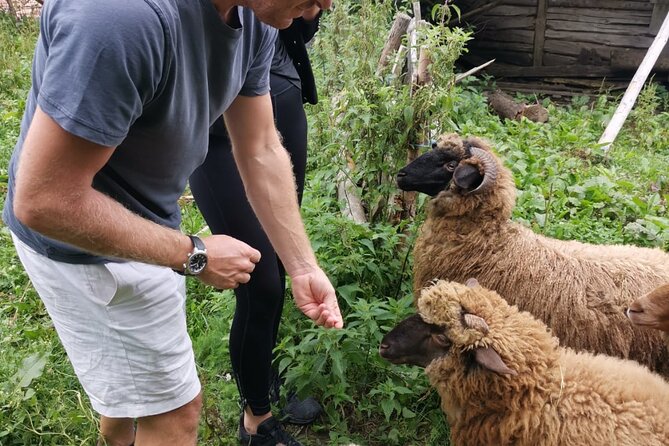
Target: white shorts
123	326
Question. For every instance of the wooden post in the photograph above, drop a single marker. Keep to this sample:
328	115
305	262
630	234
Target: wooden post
348	196
12	9
399	61
414	49
397	32
635	86
539	33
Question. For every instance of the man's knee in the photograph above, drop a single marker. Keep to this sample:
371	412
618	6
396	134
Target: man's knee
184	418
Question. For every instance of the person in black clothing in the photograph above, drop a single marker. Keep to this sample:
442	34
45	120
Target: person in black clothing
219	194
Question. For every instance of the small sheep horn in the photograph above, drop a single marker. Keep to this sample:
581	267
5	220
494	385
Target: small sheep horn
476	322
489	168
472	283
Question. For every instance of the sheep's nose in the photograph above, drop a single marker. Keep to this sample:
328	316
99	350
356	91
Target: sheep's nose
401	174
634	307
383	348
633	310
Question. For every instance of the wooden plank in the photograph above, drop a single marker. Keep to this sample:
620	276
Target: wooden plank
627	30
505	10
598	18
521	58
593	12
604	4
566	48
508	36
501	45
627	59
562	71
474	12
660	11
550	59
539	32
521	2
506	23
600	39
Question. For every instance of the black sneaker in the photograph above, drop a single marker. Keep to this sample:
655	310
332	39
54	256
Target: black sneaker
301	412
270	433
296	411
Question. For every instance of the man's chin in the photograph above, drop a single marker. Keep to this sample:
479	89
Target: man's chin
278	23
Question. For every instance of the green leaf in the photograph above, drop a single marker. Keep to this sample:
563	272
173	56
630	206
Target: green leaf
29	393
408	114
338	364
31	368
349	291
368	243
388	407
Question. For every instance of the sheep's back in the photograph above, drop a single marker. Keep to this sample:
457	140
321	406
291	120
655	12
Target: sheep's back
605	400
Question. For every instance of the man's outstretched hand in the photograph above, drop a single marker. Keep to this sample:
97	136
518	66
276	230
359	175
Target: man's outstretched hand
315	297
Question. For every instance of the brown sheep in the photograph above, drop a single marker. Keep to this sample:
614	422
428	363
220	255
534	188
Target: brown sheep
579	290
652	311
504	380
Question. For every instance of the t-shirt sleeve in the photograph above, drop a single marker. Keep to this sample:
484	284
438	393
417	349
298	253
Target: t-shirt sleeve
257	78
104	62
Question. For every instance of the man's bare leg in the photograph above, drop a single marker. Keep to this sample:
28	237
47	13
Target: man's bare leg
116	431
175	428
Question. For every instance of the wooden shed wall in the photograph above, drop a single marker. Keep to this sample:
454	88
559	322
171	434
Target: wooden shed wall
588	36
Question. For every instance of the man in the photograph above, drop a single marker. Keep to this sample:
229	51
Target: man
117	118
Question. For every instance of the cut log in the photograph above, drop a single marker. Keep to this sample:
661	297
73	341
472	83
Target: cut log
507	108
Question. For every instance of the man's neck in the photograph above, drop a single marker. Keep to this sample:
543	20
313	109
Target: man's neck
227	10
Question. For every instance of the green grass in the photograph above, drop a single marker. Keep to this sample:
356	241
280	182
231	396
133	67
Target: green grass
568	188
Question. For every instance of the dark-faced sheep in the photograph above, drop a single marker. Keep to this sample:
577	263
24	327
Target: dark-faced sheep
652	311
579	290
503	379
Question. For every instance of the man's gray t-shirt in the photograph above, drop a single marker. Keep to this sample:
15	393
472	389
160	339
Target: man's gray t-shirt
148	77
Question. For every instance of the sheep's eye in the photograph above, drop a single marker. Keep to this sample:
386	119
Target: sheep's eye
451	165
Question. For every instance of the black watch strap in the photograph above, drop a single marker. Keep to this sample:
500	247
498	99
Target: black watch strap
197	242
198	245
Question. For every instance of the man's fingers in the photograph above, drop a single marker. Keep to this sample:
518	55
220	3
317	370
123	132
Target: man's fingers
254	255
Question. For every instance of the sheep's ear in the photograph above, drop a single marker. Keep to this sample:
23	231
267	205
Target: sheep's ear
467	176
489	359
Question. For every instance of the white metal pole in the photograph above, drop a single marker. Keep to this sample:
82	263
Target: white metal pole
634	88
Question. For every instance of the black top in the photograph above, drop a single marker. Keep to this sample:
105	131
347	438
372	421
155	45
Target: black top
294	39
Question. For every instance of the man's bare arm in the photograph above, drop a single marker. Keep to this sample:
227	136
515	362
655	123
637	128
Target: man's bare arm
54	196
265	168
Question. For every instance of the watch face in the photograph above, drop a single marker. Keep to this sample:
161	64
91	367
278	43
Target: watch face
197	262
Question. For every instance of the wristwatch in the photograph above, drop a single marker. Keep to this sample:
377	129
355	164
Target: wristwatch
197	259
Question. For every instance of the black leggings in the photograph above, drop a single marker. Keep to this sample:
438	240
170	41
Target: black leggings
219	194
